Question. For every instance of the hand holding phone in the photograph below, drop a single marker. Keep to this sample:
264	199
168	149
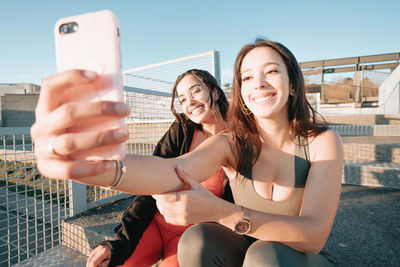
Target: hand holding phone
91	42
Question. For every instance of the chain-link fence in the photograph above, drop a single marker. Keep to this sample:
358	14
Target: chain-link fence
31	206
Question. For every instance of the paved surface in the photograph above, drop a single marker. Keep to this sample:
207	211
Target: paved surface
366	231
56	257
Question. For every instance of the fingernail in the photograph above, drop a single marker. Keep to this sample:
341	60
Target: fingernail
121	108
120	134
89	74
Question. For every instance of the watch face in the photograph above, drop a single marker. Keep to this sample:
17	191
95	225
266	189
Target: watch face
242	227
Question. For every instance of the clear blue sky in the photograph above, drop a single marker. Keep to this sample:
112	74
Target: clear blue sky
154	31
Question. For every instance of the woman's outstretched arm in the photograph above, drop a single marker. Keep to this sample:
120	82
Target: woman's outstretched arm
59	116
154	175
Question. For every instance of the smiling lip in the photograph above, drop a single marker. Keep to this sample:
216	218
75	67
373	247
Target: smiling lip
264	98
196	110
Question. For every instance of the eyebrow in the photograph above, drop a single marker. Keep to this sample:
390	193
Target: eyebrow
264	65
191	87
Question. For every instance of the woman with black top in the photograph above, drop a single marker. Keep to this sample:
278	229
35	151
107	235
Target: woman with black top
144	237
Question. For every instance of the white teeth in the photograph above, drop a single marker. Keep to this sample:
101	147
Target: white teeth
261	99
196	110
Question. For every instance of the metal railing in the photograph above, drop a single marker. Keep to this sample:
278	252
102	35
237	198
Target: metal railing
349	80
31	206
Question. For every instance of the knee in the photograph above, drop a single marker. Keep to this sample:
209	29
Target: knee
205	244
192	238
264	253
191	245
193	241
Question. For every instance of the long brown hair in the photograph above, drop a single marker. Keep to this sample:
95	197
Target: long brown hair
211	83
244	134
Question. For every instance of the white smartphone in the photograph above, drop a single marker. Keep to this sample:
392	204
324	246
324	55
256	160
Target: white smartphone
91	42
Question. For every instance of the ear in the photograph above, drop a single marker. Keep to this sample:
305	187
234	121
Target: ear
291	91
215	95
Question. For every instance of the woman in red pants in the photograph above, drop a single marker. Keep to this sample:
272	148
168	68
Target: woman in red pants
144	236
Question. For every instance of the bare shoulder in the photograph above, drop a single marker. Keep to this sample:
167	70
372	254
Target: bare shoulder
220	140
218	146
328	136
326	146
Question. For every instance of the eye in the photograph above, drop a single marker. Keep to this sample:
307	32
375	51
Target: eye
246	78
182	101
272	71
196	91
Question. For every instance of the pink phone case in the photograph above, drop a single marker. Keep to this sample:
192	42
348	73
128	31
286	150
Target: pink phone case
91	41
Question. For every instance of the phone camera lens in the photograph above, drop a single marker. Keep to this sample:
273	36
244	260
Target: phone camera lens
64	29
68	28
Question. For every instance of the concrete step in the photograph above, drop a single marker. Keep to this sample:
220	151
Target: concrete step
366	130
371	149
377	174
83	231
388	119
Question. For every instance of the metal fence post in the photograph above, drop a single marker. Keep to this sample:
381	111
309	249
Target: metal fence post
77	198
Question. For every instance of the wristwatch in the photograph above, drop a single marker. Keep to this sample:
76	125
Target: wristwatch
242	226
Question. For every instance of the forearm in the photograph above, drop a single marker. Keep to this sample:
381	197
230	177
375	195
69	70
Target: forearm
298	232
144	175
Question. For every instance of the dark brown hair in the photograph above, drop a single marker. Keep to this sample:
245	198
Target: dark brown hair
244	134
211	83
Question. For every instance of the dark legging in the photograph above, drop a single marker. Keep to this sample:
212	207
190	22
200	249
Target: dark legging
211	244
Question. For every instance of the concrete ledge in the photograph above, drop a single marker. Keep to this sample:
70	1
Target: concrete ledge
358	152
81	238
387	119
375	174
366	130
82	232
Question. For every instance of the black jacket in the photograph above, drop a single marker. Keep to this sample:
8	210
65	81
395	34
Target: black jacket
138	216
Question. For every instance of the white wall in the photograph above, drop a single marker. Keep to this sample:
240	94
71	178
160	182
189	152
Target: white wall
389	94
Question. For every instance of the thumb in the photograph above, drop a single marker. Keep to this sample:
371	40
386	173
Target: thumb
186	179
104	263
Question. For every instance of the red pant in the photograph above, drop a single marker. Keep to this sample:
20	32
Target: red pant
159	241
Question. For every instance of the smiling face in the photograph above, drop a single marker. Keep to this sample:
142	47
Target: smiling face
265	83
194	98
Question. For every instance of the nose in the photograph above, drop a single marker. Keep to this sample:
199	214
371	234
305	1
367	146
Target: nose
260	81
189	101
